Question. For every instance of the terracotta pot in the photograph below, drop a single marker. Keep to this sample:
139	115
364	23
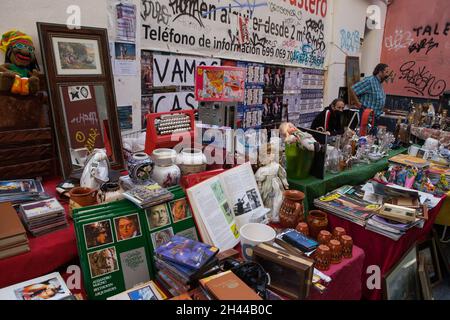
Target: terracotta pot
336	251
81	197
322	258
338	232
347	246
291	211
302	227
317	221
324	237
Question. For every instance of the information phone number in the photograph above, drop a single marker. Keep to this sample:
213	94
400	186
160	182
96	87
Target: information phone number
278	52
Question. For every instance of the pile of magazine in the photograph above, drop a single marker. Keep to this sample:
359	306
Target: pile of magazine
182	262
347	203
21	191
389	228
146	196
43	216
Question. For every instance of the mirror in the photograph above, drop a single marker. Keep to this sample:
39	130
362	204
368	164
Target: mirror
80	83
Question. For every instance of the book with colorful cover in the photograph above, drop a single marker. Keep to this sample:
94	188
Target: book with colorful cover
186	252
98	233
35	210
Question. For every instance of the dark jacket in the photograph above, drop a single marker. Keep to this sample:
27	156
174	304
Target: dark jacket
334	125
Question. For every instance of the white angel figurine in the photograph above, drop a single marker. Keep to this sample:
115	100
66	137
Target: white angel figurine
271	180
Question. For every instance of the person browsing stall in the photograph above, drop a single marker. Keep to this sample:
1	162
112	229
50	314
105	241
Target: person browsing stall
329	120
369	92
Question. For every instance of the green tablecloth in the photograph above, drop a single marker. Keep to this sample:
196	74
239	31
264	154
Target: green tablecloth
313	187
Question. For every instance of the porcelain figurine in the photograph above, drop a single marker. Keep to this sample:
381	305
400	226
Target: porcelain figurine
96	170
272	182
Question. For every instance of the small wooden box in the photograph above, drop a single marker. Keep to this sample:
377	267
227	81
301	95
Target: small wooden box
290	275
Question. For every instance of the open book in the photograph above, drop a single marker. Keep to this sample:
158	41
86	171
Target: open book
224	203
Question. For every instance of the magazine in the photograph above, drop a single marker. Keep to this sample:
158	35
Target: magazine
224	203
48	287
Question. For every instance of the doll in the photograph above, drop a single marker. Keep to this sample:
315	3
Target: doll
271	180
410	177
401	177
19	73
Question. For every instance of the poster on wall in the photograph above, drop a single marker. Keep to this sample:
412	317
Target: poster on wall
146	108
146	72
125	114
416	48
173	101
126	22
83	123
219	83
177	70
274	31
125	59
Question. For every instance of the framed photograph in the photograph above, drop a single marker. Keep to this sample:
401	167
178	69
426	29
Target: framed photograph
76	56
425	284
401	282
428	252
77	64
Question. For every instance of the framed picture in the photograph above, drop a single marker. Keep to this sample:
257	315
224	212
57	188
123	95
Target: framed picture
352	75
78	71
401	282
425	284
428	252
444	251
76	56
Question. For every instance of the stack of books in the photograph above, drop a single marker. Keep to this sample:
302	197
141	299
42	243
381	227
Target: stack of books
182	262
148	196
21	191
390	228
43	216
346	203
13	236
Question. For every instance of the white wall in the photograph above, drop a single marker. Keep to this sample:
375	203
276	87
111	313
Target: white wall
23	15
350	16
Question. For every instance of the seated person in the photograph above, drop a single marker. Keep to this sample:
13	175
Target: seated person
334	124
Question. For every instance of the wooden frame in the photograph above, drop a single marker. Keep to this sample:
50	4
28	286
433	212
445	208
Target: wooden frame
425	284
409	275
428	250
89	70
352	76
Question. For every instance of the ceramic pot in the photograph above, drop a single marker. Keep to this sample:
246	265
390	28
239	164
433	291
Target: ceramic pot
109	192
191	160
291	210
338	232
322	257
347	246
165	172
336	251
324	237
317	221
140	167
81	197
302	227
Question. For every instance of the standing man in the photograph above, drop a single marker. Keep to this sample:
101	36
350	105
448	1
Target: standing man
369	93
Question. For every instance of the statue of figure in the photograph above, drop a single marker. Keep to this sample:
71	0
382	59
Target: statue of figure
271	180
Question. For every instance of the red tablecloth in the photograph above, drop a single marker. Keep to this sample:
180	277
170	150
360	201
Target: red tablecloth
48	252
346	279
380	250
